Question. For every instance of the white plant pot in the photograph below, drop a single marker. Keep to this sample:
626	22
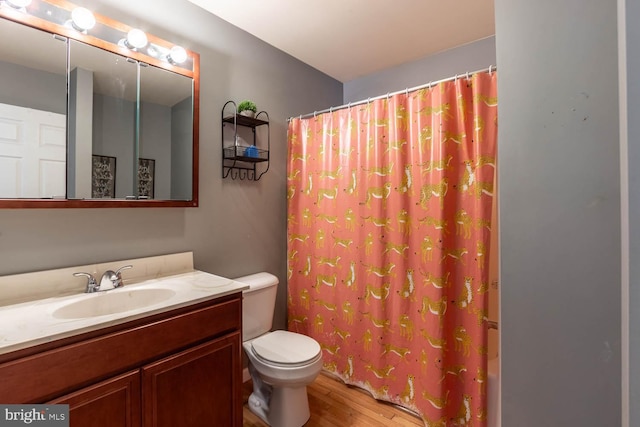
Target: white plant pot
248	113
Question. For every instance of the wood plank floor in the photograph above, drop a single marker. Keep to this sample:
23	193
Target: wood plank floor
332	403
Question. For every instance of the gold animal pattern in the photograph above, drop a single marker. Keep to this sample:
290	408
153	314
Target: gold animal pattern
463	224
404	222
437	282
401	352
388	225
320	238
408	395
409	287
379	222
438	189
349	219
407	180
437	307
350	281
379	293
436	165
380	193
400	248
437	343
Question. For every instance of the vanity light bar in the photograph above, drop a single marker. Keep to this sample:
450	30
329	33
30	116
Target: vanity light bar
18	4
136	39
79	22
82	19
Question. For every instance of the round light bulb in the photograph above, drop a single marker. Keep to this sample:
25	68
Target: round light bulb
136	39
82	19
19	4
177	55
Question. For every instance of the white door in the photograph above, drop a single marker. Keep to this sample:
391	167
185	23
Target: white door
32	153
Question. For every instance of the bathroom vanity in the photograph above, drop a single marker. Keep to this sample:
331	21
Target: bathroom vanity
175	361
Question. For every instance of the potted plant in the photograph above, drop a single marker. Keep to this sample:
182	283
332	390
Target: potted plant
247	108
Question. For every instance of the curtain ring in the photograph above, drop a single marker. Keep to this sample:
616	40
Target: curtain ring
490	67
314	114
349	105
368	100
406	91
300	116
388	95
467	75
330	110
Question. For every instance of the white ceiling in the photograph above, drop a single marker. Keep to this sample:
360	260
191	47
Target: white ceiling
347	39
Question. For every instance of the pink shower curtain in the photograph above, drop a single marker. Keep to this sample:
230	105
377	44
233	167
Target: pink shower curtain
389	219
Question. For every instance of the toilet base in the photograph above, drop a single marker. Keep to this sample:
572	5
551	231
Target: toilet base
289	407
278	406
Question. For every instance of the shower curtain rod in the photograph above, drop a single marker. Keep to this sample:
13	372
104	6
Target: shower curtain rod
490	69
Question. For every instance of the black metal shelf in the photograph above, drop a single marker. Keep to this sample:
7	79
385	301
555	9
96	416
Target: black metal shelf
245	120
241	162
246	154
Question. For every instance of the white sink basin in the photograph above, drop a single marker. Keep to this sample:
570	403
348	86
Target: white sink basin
111	302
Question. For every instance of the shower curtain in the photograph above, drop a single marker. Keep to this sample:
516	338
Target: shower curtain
389	219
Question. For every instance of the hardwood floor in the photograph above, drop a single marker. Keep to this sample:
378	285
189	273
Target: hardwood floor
334	404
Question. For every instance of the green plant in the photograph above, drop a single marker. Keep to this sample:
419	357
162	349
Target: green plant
247	105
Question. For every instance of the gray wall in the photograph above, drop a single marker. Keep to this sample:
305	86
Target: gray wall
559	213
240	227
181	149
80	134
31	88
470	57
114	136
633	129
155	143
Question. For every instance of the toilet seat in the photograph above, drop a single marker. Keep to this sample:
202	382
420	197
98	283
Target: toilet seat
288	349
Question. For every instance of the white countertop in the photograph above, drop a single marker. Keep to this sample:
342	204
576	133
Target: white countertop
31	323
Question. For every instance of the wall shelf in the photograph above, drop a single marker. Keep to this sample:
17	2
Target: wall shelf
240	161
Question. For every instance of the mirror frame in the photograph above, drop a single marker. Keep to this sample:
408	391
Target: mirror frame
6	12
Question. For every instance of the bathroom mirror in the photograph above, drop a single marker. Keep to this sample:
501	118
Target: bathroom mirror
33	108
124	134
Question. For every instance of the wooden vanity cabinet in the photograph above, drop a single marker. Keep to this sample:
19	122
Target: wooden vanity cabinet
181	368
110	403
193	388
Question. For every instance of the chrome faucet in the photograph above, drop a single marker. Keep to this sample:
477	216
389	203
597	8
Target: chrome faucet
110	280
92	285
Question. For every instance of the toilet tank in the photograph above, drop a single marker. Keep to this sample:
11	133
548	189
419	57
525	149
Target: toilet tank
258	304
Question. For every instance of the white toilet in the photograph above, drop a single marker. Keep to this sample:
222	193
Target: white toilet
281	363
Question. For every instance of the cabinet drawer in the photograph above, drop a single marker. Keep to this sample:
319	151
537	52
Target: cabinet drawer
45	375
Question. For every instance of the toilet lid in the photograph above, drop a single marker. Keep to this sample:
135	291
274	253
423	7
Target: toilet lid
287	348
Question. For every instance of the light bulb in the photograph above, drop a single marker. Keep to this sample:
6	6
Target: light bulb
136	39
82	19
18	4
177	55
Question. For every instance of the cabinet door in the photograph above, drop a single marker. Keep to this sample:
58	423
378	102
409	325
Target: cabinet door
201	386
111	403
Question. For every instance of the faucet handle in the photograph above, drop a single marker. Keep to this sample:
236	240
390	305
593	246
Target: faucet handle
126	267
92	285
118	276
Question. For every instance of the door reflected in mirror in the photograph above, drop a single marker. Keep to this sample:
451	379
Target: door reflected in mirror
33	109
